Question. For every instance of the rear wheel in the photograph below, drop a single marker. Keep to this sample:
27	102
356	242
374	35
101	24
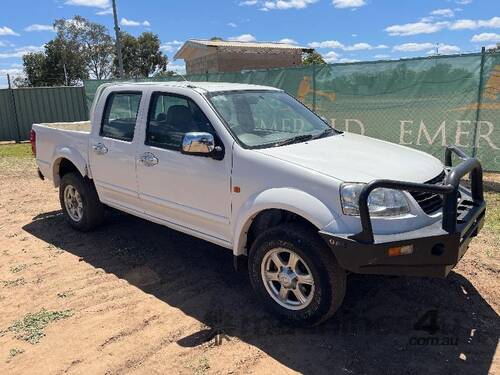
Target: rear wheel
80	202
295	274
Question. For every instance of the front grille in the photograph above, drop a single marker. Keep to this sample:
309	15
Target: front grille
430	202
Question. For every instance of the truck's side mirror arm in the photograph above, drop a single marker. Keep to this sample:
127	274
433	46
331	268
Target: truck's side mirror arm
218	152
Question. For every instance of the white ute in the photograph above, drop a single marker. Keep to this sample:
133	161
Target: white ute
251	169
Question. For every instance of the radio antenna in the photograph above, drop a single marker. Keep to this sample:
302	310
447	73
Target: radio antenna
185	79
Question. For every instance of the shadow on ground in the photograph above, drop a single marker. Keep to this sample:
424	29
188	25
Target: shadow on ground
390	325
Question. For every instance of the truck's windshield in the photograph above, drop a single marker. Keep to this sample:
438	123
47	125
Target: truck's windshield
268	118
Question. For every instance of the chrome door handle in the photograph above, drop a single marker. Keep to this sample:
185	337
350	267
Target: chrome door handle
100	149
148	159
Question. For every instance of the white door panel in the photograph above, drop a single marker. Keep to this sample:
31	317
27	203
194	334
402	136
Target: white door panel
112	150
114	171
188	190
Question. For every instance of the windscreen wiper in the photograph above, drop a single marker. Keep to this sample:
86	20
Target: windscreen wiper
326	133
296	139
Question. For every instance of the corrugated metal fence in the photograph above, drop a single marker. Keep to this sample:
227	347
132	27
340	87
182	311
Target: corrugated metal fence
8	127
20	108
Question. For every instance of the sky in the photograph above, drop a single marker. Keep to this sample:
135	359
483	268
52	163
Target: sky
341	30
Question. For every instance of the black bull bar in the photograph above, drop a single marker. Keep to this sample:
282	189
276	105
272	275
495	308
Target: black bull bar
438	247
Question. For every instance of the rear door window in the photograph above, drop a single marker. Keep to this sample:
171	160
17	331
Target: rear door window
120	115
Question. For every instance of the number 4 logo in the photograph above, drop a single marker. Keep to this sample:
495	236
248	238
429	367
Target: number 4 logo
428	322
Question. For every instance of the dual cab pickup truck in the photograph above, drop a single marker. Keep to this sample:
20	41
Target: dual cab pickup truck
251	169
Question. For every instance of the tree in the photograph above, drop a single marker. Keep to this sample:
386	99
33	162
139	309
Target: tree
34	70
65	63
57	65
312	58
130	47
142	56
92	41
99	50
151	59
81	49
66	53
20	81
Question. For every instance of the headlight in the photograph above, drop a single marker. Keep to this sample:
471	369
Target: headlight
381	202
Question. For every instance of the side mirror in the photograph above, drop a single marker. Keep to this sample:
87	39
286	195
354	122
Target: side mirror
199	143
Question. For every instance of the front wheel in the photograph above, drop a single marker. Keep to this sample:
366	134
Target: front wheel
295	274
80	202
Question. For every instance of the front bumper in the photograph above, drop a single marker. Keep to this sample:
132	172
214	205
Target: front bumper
437	248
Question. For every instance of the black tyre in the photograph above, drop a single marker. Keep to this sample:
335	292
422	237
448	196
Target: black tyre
80	203
295	274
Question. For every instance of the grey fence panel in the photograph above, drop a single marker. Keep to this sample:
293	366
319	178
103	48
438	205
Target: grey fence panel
20	108
8	128
49	104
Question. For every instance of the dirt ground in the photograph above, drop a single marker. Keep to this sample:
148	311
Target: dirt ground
138	298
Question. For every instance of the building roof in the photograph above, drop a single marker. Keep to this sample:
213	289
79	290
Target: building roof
199	86
193	46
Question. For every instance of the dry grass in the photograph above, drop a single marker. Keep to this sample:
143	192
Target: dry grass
21	150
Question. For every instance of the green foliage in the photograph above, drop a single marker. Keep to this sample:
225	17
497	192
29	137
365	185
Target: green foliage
31	327
81	49
312	58
34	69
99	49
142	56
67	51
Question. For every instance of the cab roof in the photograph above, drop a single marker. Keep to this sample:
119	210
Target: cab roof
197	86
